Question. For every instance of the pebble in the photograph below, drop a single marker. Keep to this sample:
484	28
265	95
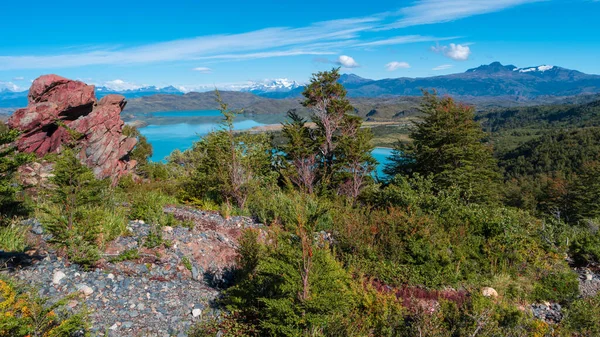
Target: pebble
57	277
85	289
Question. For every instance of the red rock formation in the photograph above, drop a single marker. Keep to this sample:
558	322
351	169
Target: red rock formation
57	104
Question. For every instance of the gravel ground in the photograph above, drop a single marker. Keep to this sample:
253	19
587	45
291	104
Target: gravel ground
161	293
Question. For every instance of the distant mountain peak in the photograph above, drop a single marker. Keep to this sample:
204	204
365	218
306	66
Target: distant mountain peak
274	85
494	67
352	79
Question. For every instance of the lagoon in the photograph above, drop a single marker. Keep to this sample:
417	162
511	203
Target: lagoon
172	130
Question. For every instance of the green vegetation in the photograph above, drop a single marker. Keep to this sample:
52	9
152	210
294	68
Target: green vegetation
10	160
447	145
24	314
344	255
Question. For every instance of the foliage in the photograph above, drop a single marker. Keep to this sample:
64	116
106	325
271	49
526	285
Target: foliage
419	237
22	314
557	286
543	117
82	215
129	254
581	318
335	155
585	244
227	167
448	145
557	174
295	288
231	325
149	205
10	160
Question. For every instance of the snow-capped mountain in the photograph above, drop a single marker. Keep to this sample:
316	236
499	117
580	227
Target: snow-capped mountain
268	86
532	69
130	92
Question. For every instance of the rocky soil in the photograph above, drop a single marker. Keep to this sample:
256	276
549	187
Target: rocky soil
162	292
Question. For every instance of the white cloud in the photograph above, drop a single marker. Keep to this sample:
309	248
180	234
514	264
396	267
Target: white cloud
443	67
437	11
19	78
316	39
10	86
404	40
321	38
203	70
347	62
396	65
456	52
120	85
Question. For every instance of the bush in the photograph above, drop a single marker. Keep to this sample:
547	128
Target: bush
148	206
557	286
582	318
81	212
273	206
420	237
23	314
585	246
10	160
291	292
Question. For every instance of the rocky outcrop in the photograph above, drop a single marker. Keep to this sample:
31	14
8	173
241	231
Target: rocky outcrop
62	111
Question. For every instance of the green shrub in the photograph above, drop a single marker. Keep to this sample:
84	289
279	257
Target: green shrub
557	286
81	213
417	236
148	206
10	160
291	292
23	314
129	254
284	208
585	246
582	318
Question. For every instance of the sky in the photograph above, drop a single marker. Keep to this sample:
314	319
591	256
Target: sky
202	44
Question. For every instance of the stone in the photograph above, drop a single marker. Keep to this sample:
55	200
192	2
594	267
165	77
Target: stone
196	313
57	106
57	277
84	289
489	292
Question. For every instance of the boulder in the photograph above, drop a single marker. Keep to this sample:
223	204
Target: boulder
489	292
59	108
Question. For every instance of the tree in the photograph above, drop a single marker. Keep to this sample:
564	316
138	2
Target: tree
335	154
292	285
76	224
143	150
449	145
300	153
228	166
10	160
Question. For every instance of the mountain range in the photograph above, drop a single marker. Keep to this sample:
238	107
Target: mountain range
492	85
493	80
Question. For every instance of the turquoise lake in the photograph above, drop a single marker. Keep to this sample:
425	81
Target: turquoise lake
172	130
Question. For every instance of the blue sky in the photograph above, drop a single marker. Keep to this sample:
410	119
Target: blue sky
198	44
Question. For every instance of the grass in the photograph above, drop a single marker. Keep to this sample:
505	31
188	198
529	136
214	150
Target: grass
13	238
